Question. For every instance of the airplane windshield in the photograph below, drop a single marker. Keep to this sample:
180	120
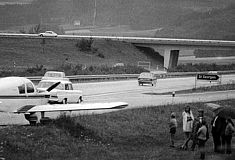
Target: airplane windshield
48	84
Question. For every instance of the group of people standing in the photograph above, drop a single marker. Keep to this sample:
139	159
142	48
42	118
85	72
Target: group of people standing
196	129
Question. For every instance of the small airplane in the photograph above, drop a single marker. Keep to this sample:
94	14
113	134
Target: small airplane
19	95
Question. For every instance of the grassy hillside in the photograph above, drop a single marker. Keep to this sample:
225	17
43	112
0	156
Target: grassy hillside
215	23
53	53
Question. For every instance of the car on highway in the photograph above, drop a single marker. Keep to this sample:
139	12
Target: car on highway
54	75
119	65
213	72
64	92
147	78
48	34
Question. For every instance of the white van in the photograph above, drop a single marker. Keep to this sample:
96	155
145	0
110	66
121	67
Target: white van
64	92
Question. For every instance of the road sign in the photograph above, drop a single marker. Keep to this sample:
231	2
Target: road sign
209	77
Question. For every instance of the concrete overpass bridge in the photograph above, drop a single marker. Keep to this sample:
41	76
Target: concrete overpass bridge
170	48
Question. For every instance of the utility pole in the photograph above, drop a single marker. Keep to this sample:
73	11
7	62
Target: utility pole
94	18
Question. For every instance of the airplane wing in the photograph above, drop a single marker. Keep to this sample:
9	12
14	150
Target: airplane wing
71	107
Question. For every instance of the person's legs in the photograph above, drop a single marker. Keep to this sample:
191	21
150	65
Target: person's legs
172	139
217	143
172	136
187	138
228	144
195	141
223	144
201	146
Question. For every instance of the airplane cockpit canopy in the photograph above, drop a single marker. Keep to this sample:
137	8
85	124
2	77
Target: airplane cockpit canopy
16	86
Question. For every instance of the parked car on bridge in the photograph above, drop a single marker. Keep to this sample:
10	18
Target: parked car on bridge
147	78
48	34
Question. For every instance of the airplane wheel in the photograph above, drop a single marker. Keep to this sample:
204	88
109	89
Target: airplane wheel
32	123
65	101
45	120
32	118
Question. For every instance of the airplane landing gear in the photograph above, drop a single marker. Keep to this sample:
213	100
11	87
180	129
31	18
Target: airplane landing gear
32	118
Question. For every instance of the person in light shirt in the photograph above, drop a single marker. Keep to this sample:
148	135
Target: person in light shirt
188	119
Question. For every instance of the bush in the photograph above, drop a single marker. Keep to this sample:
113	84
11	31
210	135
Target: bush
189	67
37	70
70	69
84	45
5	73
101	55
79	69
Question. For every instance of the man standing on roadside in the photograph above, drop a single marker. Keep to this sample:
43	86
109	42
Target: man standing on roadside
218	125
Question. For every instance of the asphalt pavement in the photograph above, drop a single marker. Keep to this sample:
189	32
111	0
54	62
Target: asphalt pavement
141	96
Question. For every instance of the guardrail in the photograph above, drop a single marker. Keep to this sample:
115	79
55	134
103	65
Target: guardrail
83	78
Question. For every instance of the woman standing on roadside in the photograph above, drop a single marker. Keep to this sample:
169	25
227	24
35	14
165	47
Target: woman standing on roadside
188	119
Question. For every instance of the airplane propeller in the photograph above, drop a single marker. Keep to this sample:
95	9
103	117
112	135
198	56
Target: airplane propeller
52	86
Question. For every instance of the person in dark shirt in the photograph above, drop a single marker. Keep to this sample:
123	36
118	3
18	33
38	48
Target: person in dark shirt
202	138
217	130
172	126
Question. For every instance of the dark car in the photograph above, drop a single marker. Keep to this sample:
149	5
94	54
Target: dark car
147	78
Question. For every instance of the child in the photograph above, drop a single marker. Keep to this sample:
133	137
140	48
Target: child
202	136
172	126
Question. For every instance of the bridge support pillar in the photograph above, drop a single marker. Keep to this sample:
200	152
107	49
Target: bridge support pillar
171	58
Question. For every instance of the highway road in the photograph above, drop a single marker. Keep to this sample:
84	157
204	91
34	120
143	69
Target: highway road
139	96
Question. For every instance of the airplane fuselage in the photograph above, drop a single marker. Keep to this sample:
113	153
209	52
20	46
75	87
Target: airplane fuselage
16	92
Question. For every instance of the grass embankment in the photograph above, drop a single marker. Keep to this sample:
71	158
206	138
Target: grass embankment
24	53
127	134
